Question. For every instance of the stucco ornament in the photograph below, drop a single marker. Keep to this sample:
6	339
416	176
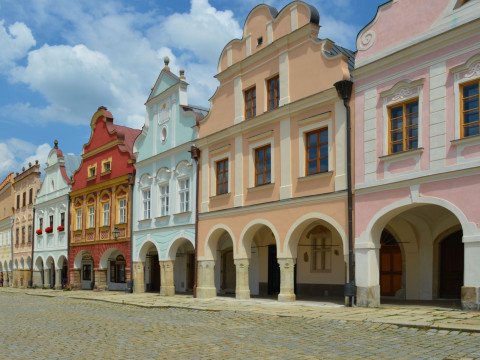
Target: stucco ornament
183	168
473	71
164	112
402	94
367	40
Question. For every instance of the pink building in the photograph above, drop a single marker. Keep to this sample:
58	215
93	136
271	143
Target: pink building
417	167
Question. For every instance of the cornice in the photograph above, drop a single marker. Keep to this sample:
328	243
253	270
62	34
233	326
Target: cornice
100	186
102	148
164	155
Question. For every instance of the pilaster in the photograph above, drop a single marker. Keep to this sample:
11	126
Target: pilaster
287	281
242	290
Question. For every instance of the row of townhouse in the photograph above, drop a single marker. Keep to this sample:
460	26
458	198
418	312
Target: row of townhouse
298	182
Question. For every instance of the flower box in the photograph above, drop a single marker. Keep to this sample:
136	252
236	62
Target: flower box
61	228
39	232
49	230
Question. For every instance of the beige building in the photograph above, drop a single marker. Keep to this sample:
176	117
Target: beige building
272	192
6	212
26	185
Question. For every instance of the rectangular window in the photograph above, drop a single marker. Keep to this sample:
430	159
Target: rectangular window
87	272
40	223
51	221
18	201
24	202
106	214
164	200
322	254
262	165
146	204
470	109
23	234
92	172
29	235
222	176
317	151
106	166
30	196
79	220
62	219
91	217
403	124
273	88
122	210
250	103
184	192
117	272
17	236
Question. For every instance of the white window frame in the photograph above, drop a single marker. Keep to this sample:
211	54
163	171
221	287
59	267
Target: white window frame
164	198
91	217
146	200
78	223
122	210
106	214
184	206
303	129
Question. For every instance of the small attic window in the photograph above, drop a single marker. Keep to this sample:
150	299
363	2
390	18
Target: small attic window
260	41
163	135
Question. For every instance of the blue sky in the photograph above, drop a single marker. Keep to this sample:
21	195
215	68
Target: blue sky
62	59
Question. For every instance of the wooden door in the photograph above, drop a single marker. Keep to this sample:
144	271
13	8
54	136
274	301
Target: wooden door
229	273
273	271
390	265
451	266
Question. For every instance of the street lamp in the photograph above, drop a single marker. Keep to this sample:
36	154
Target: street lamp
116	233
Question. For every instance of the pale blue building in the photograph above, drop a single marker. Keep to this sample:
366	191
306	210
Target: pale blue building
164	191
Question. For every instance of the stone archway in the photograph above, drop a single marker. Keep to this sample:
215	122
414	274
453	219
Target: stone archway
181	259
147	269
112	273
83	275
38	272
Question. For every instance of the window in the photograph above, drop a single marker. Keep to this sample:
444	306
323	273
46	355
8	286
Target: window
250	103
40	223
316	151
51	221
30	196
17	236
222	176
91	217
164	200
106	214
92	171
470	109
106	166
122	207
18	201
62	219
321	249
23	234
87	272
146	204
273	88
24	203
29	235
79	219
117	270
262	165
403	127
184	192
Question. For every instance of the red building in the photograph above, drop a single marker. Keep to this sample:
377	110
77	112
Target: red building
100	207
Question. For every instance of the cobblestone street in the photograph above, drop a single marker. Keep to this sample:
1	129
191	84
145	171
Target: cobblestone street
35	327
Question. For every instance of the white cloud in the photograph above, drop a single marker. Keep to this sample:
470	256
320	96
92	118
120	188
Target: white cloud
14	43
16	153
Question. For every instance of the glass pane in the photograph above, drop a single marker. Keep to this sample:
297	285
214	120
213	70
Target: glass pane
397	135
267	165
226	188
470	90
412	107
412	131
397	124
220	177
260	155
471	103
259	167
396	112
312	167
324	137
259	179
220	189
324	164
254	92
267	178
412	119
312	139
398	147
226	166
220	167
267	153
471	116
413	143
323	150
271	104
312	153
471	130
249	95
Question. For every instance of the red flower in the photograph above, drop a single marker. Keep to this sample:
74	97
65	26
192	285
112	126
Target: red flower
39	232
49	229
61	228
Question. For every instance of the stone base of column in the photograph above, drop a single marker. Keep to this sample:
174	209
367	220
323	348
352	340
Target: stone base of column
368	296
75	282
206	292
138	277
101	279
167	284
242	294
286	297
37	279
470	298
242	289
167	290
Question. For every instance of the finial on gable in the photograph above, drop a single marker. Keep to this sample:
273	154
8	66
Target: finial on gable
55	144
166	60
182	74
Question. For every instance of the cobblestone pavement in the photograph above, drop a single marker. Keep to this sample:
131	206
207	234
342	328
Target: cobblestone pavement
37	327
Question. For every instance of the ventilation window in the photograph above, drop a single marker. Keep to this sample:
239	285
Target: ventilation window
260	41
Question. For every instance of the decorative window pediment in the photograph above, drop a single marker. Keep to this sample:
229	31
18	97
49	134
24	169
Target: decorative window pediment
402	90
145	181
163	175
183	168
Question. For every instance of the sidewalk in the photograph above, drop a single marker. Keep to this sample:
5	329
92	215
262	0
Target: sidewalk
411	315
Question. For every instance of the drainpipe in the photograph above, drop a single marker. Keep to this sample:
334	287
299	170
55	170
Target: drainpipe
131	182
195	155
68	239
344	90
33	247
11	243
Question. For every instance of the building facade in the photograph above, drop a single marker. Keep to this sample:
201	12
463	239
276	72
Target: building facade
272	193
100	207
164	195
50	260
417	168
7	200
26	186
